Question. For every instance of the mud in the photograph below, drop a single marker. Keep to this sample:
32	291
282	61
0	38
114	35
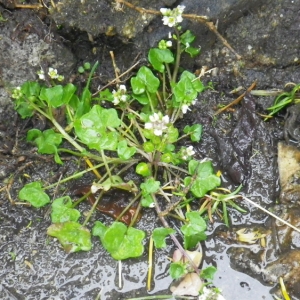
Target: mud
239	142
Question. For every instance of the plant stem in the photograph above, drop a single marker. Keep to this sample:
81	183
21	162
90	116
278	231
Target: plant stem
106	164
173	237
93	208
178	54
74	176
150	265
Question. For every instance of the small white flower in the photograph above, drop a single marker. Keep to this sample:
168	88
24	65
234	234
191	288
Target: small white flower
120	95
52	73
123	98
123	88
169	44
180	8
190	151
187	152
185	108
16	93
158	123
148	125
172	17
41	75
170	35
157	131
166	119
165	11
210	294
94	189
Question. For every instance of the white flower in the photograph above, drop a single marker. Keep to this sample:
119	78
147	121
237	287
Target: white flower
165	11
16	93
180	8
123	88
187	152
169	44
185	108
210	294
158	123
172	17
190	151
52	73
120	95
41	75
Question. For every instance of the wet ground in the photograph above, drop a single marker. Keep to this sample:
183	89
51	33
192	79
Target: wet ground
239	143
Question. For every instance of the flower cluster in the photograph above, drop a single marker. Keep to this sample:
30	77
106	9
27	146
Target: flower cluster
186	153
52	74
119	95
16	93
172	17
158	123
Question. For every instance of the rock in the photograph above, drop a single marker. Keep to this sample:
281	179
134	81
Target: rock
23	49
289	172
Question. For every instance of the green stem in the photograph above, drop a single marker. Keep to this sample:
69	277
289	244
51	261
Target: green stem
150	101
93	208
178	54
91	74
106	164
74	176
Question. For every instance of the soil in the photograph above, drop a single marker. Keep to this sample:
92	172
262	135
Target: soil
239	143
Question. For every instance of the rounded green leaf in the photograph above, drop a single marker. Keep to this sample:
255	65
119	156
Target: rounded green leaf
73	236
158	57
34	194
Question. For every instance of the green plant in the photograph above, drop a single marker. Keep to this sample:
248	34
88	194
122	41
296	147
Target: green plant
284	99
135	130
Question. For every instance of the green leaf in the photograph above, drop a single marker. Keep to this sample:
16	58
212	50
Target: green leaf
73	236
147	201
34	194
46	141
184	90
141	98
187	37
95	128
208	273
150	186
172	134
62	210
159	235
157	58
121	242
84	105
205	181
195	132
69	91
53	95
194	230
24	109
125	152
116	181
143	169
144	80
30	88
177	270
192	51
